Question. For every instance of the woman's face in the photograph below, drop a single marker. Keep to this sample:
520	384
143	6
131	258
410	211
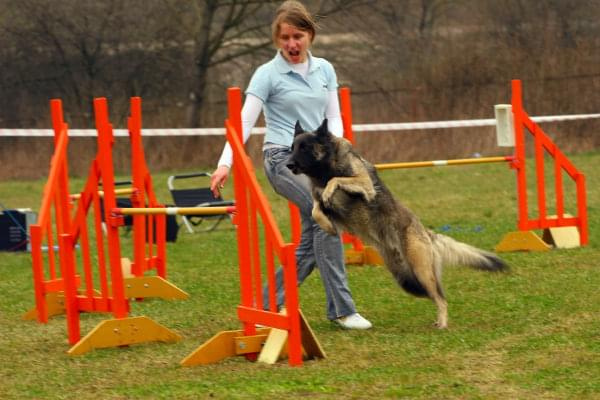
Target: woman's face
293	43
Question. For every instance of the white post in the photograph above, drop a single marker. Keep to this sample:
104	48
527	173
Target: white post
505	129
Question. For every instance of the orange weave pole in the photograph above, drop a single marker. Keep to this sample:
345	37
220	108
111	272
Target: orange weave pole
543	145
252	206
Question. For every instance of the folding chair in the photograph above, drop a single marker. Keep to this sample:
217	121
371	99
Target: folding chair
197	197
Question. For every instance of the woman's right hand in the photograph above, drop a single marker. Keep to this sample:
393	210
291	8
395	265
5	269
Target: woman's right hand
218	179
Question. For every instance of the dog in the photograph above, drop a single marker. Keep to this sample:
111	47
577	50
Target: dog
348	195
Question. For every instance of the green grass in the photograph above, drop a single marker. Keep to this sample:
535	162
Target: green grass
533	333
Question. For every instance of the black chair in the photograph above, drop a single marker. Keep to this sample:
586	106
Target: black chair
197	196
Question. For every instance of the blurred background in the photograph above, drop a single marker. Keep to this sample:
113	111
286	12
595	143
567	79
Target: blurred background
404	60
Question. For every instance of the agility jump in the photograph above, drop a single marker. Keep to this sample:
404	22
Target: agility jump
112	289
286	331
148	233
561	230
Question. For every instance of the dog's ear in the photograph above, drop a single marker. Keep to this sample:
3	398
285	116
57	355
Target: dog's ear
323	130
298	129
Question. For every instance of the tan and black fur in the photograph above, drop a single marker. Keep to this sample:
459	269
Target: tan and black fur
349	196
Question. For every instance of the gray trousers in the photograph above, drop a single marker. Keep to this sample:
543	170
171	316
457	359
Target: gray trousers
316	247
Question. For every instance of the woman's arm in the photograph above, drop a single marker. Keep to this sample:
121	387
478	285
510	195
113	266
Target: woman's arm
250	112
333	115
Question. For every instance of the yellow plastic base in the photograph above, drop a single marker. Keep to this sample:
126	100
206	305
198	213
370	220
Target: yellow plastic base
152	286
522	241
368	256
141	287
226	344
275	347
566	237
55	304
269	343
123	332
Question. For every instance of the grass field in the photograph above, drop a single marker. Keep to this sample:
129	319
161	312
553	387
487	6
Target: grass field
532	333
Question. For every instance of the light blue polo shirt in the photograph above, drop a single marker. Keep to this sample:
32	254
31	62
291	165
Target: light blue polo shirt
287	97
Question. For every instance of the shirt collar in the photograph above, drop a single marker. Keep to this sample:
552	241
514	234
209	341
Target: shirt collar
283	67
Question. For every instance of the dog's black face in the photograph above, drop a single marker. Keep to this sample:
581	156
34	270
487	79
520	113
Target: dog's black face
310	151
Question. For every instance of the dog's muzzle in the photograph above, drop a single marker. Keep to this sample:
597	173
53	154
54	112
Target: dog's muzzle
292	166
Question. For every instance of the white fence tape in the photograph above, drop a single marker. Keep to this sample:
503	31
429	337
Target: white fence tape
408	126
402	126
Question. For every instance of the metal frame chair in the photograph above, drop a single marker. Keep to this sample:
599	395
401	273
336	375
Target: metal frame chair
197	197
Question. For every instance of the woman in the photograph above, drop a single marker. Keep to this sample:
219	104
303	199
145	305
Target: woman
295	86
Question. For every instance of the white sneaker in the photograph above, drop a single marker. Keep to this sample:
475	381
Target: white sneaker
353	321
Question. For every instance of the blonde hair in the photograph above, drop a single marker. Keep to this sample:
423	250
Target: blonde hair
294	13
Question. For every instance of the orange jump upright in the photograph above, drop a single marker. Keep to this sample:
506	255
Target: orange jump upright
53	221
561	229
149	230
357	253
104	297
285	330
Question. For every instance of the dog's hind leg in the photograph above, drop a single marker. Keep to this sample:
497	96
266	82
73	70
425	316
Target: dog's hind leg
422	260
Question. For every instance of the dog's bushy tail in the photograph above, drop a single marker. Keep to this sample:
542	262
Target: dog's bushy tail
453	252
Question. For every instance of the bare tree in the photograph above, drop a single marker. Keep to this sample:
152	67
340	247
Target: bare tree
225	31
221	30
77	50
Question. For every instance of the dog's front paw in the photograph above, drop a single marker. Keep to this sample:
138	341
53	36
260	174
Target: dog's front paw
327	195
369	193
